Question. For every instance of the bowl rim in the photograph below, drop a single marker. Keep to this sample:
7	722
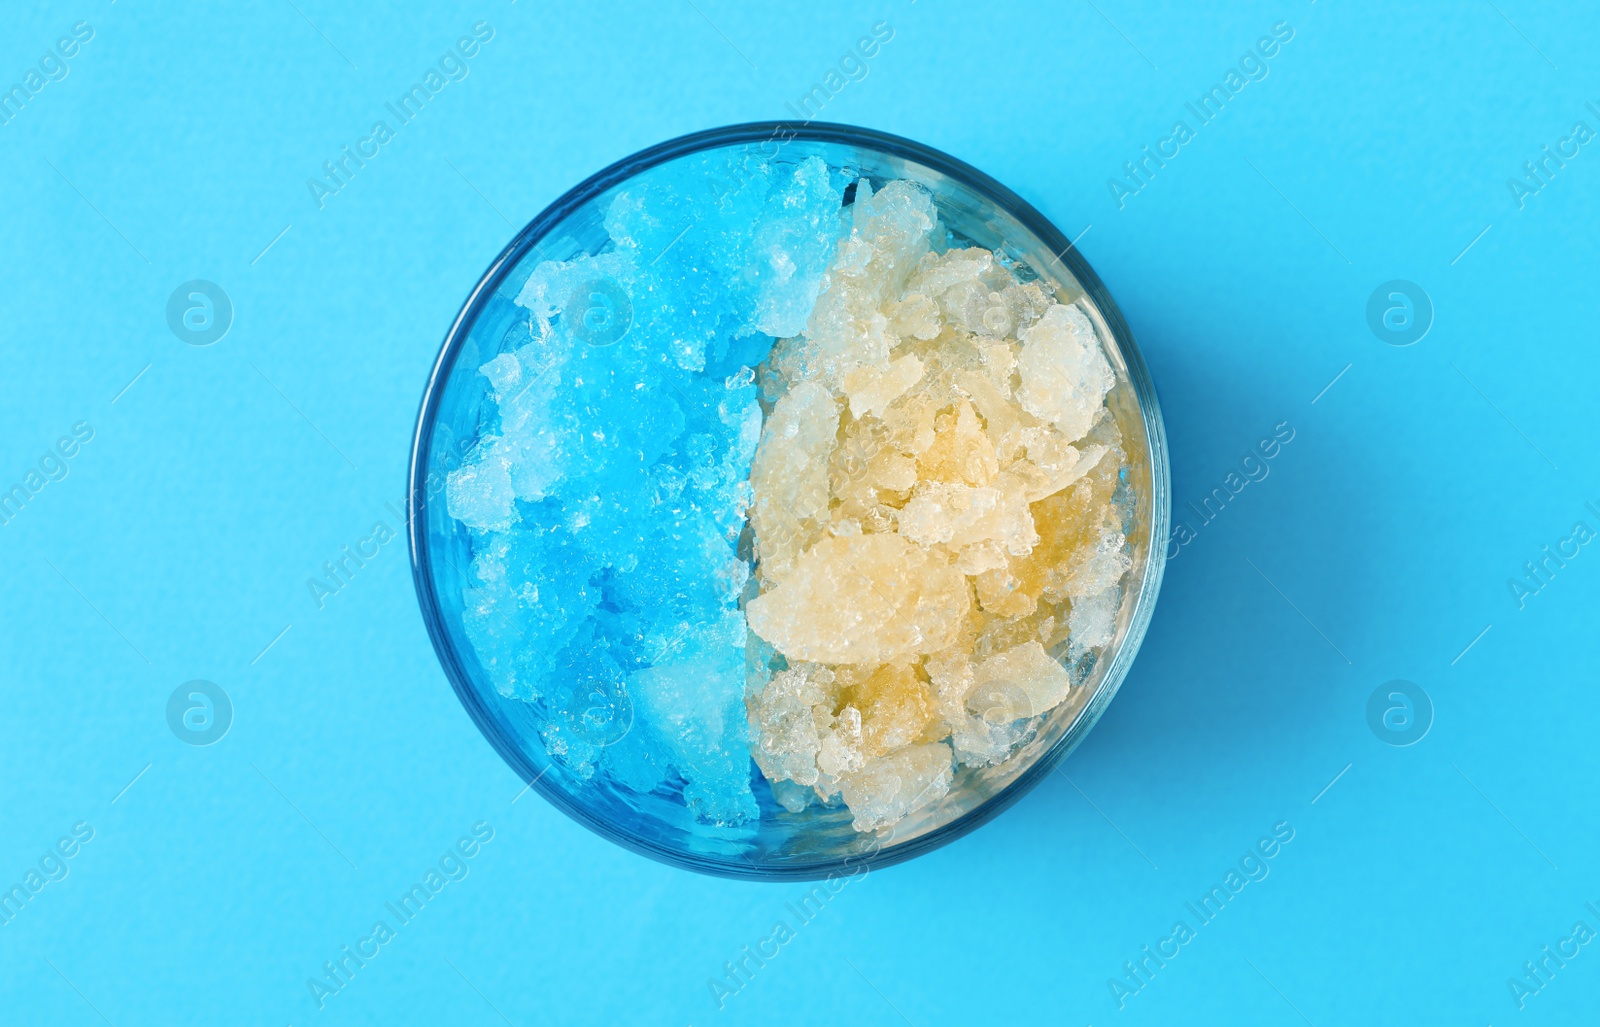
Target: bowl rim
1029	217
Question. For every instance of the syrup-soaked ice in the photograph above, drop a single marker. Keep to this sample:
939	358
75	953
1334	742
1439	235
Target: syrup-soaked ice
923	465
608	489
933	518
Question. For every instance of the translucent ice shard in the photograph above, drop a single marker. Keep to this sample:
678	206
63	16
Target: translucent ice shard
1019	683
790	477
1065	377
696	709
886	789
866	599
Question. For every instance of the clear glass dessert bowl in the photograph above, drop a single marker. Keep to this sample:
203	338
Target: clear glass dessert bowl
787	500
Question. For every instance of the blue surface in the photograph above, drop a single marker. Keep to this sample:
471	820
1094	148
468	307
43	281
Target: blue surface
1381	543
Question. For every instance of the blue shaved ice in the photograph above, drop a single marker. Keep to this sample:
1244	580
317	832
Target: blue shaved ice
606	497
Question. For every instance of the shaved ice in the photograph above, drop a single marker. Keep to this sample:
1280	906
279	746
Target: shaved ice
787	497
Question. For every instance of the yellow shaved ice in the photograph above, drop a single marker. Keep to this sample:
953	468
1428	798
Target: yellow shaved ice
932	518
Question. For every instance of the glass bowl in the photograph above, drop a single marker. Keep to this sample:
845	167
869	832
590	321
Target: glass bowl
819	841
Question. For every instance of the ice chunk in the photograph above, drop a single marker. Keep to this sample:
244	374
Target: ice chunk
960	515
504	373
790	477
793	246
962	450
1093	620
896	707
479	494
871	391
1065	377
841	745
887	789
916	316
697	709
783	728
978	743
867	599
1016	684
791	796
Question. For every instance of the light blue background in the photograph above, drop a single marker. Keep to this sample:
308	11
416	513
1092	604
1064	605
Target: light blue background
180	543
